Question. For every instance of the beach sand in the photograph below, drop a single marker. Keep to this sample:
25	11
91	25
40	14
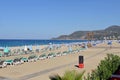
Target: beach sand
42	69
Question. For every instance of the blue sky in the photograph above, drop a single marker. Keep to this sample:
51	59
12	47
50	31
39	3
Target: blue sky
44	19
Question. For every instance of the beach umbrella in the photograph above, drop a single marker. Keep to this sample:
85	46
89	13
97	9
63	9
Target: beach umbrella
50	46
30	48
70	48
6	50
25	48
86	45
50	43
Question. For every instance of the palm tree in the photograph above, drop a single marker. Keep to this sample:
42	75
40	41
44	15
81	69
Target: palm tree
69	75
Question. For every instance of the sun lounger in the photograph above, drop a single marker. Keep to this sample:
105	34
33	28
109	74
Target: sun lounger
82	49
2	64
36	58
50	55
9	62
65	53
58	54
32	58
76	51
24	59
42	57
17	61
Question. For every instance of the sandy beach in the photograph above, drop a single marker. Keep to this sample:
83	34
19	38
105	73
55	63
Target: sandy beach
42	69
42	38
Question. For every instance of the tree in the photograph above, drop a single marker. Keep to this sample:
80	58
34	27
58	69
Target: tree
105	69
69	75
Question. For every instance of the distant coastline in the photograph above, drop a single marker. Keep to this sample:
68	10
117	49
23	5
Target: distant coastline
23	42
110	32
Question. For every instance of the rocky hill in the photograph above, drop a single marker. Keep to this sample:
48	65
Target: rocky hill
110	32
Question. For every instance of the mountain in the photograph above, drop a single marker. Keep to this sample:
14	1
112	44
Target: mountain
110	32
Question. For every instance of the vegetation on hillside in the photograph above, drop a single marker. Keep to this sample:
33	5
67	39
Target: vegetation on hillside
110	32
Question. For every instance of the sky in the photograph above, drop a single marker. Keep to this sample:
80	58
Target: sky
45	19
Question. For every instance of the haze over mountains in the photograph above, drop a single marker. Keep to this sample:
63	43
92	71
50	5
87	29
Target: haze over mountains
110	32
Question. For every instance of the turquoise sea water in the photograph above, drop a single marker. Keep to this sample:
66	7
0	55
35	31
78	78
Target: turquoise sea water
14	42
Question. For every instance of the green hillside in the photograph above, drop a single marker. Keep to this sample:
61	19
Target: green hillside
110	32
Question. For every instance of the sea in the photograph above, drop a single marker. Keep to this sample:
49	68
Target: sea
22	42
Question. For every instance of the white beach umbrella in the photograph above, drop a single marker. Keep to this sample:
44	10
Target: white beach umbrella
25	48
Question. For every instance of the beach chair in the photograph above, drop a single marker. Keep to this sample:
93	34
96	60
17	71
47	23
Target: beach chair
37	50
32	58
16	61
36	58
43	56
6	54
82	49
2	64
76	51
24	59
9	62
64	53
54	55
50	55
58	54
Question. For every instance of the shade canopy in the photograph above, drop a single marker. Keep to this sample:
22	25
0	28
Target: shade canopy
6	50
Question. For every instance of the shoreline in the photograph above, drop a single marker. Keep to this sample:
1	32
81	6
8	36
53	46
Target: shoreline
16	43
43	67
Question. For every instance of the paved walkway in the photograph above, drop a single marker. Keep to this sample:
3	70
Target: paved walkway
4	78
